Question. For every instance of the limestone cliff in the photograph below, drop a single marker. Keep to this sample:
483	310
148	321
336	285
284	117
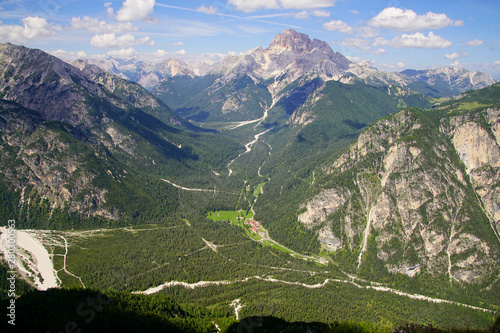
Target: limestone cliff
419	188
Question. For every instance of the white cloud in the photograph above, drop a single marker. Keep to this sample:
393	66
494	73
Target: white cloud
302	15
320	13
455	63
496	62
317	13
355	12
306	4
178	44
456	55
135	10
339	26
113	41
354	59
109	10
207	10
401	64
94	25
378	51
123	53
182	51
417	40
474	42
253	5
63	54
453	55
33	27
408	20
368	32
358	43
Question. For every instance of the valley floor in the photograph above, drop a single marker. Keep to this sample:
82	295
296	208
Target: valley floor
41	246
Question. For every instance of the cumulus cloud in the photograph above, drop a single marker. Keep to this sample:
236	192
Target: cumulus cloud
63	54
339	26
408	20
33	27
178	44
378	51
358	43
94	25
417	40
317	13
135	10
455	55
207	10
320	13
474	42
123	53
367	32
253	5
112	41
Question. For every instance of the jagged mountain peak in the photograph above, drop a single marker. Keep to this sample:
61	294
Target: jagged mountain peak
290	55
291	40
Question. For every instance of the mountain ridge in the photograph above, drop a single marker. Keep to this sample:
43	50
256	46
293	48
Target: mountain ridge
292	54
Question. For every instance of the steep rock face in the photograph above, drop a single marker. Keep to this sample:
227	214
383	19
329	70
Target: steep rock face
43	83
290	56
477	141
46	159
404	194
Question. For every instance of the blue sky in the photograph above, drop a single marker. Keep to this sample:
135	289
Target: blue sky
393	35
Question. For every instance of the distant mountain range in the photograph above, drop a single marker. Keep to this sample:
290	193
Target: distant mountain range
293	55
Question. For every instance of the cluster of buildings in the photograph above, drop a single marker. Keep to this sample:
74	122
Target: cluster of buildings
255	225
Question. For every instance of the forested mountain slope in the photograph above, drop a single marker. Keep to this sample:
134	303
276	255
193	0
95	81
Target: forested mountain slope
82	140
417	194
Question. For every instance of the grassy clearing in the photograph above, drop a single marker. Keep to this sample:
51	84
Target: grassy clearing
238	218
258	190
471	106
235	217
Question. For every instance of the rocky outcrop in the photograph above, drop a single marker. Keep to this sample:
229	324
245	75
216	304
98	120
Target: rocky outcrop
425	186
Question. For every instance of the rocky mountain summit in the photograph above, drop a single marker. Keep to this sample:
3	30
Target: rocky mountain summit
290	56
